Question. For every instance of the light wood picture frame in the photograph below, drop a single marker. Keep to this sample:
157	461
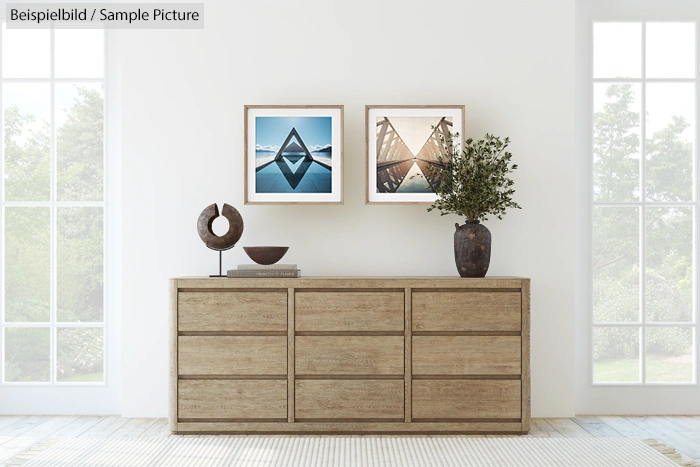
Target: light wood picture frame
293	154
401	141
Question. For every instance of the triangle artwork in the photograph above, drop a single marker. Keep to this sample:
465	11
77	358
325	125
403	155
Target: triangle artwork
294	169
293	149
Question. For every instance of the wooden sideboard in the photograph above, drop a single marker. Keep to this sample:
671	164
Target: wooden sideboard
350	355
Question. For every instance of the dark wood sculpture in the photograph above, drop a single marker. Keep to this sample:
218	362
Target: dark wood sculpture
226	241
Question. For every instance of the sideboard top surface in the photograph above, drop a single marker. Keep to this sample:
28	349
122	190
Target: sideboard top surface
352	282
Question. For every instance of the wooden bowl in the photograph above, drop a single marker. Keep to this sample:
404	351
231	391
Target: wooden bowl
265	254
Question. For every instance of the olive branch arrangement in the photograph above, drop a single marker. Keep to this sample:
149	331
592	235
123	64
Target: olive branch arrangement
473	182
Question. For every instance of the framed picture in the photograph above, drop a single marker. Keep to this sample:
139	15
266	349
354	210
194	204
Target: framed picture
402	142
293	154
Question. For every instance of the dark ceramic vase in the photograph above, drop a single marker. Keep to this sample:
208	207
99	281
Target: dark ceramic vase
472	249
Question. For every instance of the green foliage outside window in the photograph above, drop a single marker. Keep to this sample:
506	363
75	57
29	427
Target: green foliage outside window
79	240
616	268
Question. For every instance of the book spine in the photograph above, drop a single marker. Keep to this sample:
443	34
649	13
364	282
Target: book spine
267	267
258	273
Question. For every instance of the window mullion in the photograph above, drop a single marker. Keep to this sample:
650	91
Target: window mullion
53	214
663	204
2	223
591	194
48	204
642	214
105	191
643	80
53	80
696	231
649	325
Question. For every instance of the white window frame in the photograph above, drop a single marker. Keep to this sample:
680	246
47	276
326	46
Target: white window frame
56	397
643	204
623	398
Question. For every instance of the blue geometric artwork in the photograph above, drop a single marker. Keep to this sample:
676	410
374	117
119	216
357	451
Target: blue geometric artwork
293	154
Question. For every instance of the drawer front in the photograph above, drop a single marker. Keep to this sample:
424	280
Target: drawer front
473	399
466	355
349	355
232	311
349	399
466	311
232	355
349	311
240	399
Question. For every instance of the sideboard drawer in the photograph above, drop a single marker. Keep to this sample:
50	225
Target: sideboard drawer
226	399
330	355
349	355
466	399
466	311
349	399
349	311
232	355
466	355
232	311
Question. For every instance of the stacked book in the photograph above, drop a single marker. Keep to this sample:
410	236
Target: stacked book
262	270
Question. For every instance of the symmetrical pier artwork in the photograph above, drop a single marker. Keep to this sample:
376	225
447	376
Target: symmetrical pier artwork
406	147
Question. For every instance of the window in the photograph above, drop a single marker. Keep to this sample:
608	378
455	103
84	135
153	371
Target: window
644	203
52	311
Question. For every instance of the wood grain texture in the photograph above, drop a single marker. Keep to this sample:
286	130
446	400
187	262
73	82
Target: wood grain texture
134	428
466	355
232	355
349	353
232	399
107	426
455	399
84	423
349	311
351	427
466	311
14	445
232	311
597	428
343	355
408	365
291	303
159	429
568	428
351	283
349	399
173	357
667	435
525	372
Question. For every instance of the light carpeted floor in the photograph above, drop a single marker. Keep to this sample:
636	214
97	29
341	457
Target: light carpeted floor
359	451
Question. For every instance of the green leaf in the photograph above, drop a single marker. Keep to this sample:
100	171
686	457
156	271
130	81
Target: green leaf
473	183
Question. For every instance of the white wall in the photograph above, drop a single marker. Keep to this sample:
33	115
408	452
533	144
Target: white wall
510	63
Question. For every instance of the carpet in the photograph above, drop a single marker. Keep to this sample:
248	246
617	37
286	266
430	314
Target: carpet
357	451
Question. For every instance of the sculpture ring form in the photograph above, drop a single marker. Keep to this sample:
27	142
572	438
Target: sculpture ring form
229	239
